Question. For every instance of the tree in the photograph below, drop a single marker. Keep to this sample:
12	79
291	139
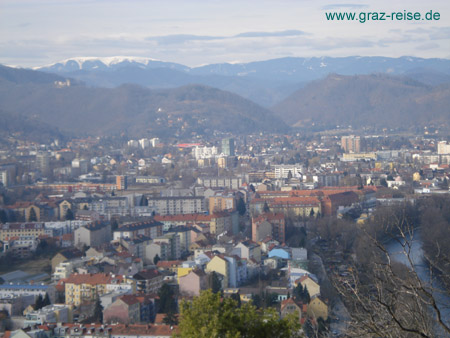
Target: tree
46	300
98	311
214	282
209	316
241	206
170	319
266	207
167	302
39	303
32	216
387	298
289	176
69	215
85	207
156	259
3	216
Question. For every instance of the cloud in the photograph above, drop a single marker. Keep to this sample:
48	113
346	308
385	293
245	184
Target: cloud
182	38
270	34
341	6
430	45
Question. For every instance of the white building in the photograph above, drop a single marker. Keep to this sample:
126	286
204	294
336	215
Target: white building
283	170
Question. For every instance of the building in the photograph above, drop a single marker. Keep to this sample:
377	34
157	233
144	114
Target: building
177	205
221	182
19	290
192	283
269	225
317	308
64	256
221	203
122	182
150	228
12	230
43	163
93	234
228	147
148	281
288	171
81	288
443	148
125	310
351	144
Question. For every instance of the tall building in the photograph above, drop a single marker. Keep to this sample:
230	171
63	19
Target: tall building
228	146
443	148
43	162
122	182
351	144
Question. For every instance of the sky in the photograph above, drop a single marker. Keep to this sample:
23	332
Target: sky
192	32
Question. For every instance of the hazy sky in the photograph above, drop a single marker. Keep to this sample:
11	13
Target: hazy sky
194	32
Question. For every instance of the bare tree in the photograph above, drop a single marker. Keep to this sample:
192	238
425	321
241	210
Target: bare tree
385	297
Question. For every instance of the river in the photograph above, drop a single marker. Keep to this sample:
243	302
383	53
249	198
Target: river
395	249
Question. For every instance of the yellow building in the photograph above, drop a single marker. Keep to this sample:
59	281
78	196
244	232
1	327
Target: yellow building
9	230
221	203
219	265
63	207
317	308
312	287
81	288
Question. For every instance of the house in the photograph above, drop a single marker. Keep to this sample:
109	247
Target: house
150	228
125	310
311	285
269	224
317	308
279	251
93	234
220	265
148	281
289	306
192	283
249	250
64	256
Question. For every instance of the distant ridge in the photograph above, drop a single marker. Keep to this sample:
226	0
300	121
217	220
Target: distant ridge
369	101
264	82
71	106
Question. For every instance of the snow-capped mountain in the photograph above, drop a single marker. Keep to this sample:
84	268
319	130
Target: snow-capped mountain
108	63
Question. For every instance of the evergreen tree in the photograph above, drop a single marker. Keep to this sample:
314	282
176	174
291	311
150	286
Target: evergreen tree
39	303
214	282
69	215
46	300
306	298
3	216
167	302
32	216
98	311
85	207
156	259
266	207
241	207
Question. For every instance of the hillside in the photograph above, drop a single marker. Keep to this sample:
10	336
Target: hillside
264	82
134	109
367	101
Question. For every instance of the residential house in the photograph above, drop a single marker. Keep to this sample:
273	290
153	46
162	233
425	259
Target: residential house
192	283
93	234
317	308
64	256
124	310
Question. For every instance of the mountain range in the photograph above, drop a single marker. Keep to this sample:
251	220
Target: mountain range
74	107
92	96
264	82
